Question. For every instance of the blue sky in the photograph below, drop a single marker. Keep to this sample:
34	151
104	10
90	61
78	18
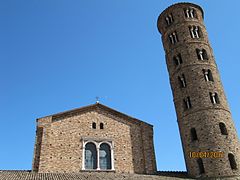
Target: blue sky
56	55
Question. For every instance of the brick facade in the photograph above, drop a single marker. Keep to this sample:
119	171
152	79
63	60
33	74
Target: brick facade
199	98
60	139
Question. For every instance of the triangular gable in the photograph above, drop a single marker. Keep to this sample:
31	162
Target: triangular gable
96	106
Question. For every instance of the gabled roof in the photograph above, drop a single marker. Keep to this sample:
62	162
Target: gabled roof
97	106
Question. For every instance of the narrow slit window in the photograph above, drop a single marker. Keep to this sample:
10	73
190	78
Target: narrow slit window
232	161
223	128
94	125
101	126
187	103
182	81
200	166
177	60
194	134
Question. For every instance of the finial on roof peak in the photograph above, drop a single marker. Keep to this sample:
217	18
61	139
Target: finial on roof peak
97	100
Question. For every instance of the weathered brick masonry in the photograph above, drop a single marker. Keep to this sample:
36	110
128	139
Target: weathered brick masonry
60	147
203	114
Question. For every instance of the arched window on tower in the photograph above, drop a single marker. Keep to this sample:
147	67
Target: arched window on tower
202	54
214	98
232	161
182	81
190	13
169	19
200	166
207	75
194	134
223	128
173	38
195	31
105	156
90	156
177	59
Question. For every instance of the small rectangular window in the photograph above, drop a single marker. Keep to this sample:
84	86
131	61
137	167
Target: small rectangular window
101	125
194	134
94	125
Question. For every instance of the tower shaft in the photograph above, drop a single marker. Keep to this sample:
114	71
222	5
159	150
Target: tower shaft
208	135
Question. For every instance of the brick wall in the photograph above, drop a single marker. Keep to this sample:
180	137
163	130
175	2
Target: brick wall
64	134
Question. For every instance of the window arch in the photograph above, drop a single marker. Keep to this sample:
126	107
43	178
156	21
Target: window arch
90	156
202	54
190	13
195	32
200	166
207	75
169	19
173	38
214	98
97	155
105	156
223	128
232	161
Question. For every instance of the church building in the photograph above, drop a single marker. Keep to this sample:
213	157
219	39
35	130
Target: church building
93	138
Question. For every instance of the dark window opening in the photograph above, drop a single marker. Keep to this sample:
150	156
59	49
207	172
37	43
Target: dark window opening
207	75
194	134
169	19
190	13
177	60
187	103
94	125
223	128
173	38
182	81
214	98
195	32
232	161
200	166
101	125
202	54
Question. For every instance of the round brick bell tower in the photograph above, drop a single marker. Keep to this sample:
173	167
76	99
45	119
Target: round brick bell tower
209	138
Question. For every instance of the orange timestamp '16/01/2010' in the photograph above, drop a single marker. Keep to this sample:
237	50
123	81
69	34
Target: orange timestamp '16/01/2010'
211	154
